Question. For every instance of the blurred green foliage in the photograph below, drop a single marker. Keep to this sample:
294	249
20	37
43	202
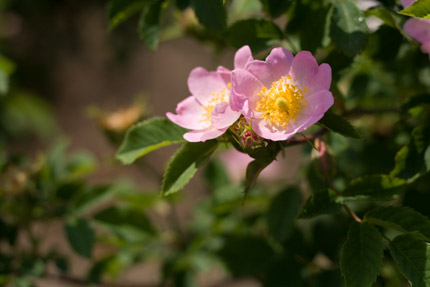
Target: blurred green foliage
357	214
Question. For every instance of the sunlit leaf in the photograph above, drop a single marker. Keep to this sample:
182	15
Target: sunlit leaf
148	136
418	9
361	255
185	163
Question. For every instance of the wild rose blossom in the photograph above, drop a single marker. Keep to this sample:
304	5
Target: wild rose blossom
283	95
418	29
207	111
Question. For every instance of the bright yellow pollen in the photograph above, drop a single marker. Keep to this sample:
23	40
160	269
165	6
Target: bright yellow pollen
216	98
281	103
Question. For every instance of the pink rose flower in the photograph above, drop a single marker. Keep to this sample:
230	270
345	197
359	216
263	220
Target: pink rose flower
418	29
283	95
206	112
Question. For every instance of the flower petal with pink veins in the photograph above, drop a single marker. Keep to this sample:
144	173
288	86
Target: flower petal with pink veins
303	69
202	84
203	135
189	115
223	116
242	57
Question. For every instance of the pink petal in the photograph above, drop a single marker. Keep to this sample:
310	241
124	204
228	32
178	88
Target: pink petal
202	84
318	103
203	135
280	59
277	64
407	3
420	30
189	115
225	74
223	116
244	86
242	57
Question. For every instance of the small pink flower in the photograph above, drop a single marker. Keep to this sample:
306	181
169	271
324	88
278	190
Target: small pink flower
418	29
283	95
207	111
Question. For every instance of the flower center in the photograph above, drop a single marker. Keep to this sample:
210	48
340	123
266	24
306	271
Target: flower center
281	103
216	98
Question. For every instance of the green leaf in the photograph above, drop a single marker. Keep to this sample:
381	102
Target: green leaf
427	158
125	219
322	202
348	28
245	256
211	14
413	257
253	170
80	235
282	212
374	186
340	125
184	165
148	136
121	10
409	161
418	9
276	8
384	14
400	218
415	101
259	34
361	255
4	82
149	24
91	198
315	33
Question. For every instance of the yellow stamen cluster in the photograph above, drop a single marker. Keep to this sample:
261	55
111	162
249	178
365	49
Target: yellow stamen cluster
216	98
281	103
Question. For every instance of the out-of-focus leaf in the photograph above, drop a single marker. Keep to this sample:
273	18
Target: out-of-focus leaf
183	4
339	125
210	13
80	235
418	9
315	33
29	114
322	202
282	212
216	175
374	186
348	28
92	197
121	10
400	218
427	158
185	163
276	8
361	255
415	101
149	24
284	272
413	258
117	217
245	256
409	160
384	14
259	34
148	136
4	82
